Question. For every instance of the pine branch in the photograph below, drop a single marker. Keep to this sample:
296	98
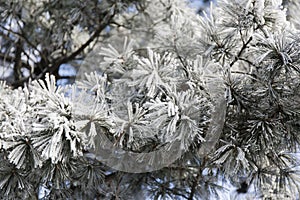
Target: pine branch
244	47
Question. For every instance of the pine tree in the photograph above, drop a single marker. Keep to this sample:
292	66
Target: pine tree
169	105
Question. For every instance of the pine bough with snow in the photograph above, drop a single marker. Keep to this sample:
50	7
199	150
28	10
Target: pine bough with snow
151	88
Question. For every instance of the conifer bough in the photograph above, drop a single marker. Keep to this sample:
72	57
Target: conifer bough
159	74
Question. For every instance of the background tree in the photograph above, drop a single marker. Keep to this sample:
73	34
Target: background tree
159	71
37	37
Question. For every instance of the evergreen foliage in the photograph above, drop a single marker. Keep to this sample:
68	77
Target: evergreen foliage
156	78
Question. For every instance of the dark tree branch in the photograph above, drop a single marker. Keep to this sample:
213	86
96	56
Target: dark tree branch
17	60
244	47
58	62
196	180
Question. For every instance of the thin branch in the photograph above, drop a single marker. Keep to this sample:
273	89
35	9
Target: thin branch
21	36
107	19
196	180
17	60
65	77
244	47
